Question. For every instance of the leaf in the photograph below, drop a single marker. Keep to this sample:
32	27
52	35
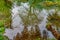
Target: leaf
1	23
2	29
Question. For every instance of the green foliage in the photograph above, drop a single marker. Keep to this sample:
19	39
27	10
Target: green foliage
1	23
2	28
2	37
54	19
5	11
8	3
51	39
3	7
40	4
37	38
